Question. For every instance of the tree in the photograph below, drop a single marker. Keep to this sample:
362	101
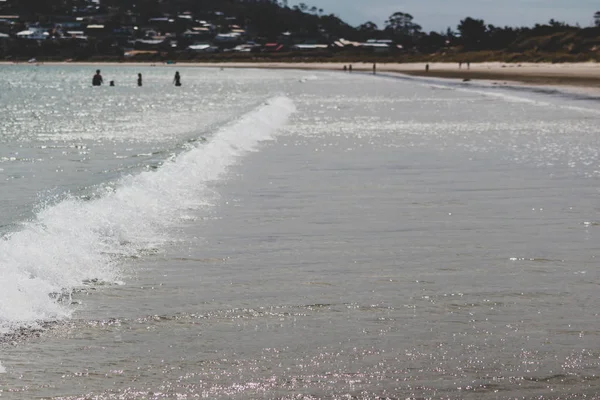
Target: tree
149	8
597	18
432	42
368	27
401	24
29	8
368	30
501	38
473	33
557	24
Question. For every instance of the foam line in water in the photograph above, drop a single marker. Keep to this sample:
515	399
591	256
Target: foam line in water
75	241
503	95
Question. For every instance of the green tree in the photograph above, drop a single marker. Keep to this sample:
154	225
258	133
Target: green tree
597	18
30	8
501	38
557	24
432	42
149	8
368	30
368	26
401	24
473	33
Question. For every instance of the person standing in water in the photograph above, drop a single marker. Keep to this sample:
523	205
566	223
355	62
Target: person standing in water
177	79
139	79
97	79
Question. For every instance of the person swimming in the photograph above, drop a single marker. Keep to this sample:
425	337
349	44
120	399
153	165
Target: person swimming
97	79
139	79
177	79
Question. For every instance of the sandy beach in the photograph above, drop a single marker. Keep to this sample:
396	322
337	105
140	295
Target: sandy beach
577	75
585	75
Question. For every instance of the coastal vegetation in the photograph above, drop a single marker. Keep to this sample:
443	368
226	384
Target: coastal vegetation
267	30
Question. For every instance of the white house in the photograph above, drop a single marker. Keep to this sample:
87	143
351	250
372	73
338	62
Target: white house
33	34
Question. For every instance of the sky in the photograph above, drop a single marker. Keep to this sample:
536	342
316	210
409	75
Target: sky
437	15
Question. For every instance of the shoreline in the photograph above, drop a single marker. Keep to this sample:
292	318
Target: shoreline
580	76
575	75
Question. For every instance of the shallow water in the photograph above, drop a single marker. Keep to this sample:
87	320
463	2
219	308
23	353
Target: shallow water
283	234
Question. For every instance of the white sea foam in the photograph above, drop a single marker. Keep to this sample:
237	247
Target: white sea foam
75	240
2	369
309	78
512	98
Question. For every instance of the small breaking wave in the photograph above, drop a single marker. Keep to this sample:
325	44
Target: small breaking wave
78	240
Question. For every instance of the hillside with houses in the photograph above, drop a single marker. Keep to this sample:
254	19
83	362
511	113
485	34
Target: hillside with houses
117	30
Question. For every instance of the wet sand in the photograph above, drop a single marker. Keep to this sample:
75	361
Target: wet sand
581	75
571	74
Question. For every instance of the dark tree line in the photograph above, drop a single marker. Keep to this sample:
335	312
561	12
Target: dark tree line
268	19
471	34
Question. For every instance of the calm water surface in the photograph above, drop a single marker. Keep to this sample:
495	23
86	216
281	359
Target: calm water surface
262	234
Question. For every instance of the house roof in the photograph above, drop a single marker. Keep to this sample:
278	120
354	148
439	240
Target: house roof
348	42
273	46
311	46
199	46
377	45
228	35
149	41
134	52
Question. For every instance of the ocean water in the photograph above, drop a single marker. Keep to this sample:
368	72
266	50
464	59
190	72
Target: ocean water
264	234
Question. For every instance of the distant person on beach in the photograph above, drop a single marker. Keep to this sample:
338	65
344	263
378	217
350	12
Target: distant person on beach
350	68
139	79
97	79
345	68
374	69
426	67
459	64
177	79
